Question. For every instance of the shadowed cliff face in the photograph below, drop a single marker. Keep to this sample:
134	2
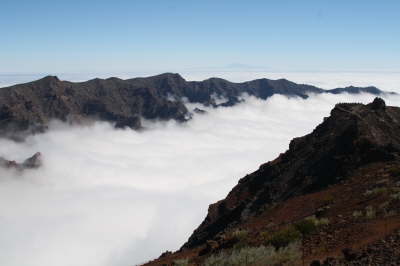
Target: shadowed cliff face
354	135
29	107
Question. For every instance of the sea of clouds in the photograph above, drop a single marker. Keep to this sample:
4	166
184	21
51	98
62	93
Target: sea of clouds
107	197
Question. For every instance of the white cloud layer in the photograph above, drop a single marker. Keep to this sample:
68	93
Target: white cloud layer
107	197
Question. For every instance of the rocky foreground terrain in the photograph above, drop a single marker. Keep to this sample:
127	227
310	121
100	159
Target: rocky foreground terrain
28	108
332	199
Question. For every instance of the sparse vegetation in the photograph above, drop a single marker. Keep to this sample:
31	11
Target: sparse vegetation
394	171
375	191
322	221
265	235
395	189
357	214
270	224
318	221
328	199
390	213
384	207
396	196
294	232
256	256
322	211
306	227
283	237
387	211
382	181
239	234
370	212
181	262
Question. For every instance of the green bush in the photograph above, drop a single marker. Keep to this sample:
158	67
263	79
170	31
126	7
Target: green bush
289	255
240	234
181	262
322	221
370	212
306	227
396	196
265	235
376	191
294	232
240	245
283	237
244	256
357	214
266	256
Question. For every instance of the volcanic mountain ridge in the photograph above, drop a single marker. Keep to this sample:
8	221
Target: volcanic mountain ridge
28	108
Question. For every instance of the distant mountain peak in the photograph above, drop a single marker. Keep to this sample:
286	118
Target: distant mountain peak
169	75
51	78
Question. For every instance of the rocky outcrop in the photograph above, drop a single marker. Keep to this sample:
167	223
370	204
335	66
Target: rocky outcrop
354	135
31	163
383	252
29	107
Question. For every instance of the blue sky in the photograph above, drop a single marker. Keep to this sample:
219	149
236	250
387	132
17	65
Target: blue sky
110	36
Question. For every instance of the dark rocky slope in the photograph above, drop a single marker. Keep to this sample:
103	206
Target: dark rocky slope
346	173
29	107
354	135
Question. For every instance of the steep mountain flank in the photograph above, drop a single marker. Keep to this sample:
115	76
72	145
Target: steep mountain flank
354	135
335	190
29	107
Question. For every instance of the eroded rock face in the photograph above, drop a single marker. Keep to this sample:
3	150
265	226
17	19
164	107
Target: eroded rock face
354	135
29	107
31	163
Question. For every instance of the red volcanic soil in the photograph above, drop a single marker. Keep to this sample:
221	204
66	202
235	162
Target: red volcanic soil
338	204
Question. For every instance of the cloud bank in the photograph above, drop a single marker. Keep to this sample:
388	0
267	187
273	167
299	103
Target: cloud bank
107	197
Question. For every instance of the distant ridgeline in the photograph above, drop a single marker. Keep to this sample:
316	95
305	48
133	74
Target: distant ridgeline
28	108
